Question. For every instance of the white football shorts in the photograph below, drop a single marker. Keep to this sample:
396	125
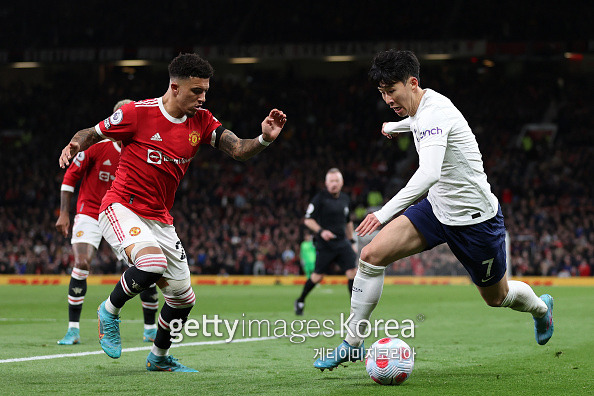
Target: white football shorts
86	230
121	227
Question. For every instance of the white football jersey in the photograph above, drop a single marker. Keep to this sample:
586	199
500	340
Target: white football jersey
462	195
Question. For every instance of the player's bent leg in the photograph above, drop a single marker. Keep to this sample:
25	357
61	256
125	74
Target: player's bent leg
150	306
519	296
179	300
149	268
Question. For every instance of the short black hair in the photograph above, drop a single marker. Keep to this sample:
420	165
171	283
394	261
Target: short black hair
190	65
391	66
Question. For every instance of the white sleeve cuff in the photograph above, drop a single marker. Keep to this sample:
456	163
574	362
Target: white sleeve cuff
66	187
397	127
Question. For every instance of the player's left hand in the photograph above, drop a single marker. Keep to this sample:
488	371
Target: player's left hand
68	153
273	124
386	134
368	225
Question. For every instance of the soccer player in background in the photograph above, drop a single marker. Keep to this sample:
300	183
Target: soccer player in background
160	137
95	168
460	209
328	217
307	254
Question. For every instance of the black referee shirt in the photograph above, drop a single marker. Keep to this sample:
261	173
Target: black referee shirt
331	214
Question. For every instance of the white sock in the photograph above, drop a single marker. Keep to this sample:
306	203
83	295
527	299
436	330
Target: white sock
522	298
159	351
76	325
112	309
367	290
148	327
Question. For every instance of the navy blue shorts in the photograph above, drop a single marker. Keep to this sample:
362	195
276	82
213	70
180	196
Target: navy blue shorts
479	247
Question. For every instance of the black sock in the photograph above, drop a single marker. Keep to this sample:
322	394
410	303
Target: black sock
350	286
309	285
76	293
163	338
135	281
150	304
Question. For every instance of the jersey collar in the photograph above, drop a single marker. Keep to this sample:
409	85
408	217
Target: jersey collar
166	114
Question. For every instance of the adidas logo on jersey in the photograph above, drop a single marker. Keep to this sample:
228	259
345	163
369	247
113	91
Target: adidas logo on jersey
156	137
107	163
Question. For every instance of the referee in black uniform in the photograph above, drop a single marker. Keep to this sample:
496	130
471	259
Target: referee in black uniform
328	218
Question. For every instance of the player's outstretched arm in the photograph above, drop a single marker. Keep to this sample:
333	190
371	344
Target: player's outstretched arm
81	141
244	149
390	129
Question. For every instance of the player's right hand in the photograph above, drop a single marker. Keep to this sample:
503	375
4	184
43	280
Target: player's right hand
63	225
68	153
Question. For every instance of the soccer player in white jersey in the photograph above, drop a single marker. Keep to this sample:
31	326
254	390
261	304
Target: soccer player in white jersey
460	208
160	137
95	169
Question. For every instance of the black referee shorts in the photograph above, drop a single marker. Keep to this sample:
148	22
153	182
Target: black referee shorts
343	255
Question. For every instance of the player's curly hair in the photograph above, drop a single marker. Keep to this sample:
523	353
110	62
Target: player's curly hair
391	66
190	65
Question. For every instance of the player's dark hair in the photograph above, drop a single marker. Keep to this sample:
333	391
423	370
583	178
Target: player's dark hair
390	67
190	65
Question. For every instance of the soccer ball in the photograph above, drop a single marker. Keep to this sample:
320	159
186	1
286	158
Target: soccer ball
390	361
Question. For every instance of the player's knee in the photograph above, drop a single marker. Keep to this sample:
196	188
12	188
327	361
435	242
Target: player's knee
147	256
178	293
82	263
316	278
368	255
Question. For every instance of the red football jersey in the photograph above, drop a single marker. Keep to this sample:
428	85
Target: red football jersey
96	167
156	153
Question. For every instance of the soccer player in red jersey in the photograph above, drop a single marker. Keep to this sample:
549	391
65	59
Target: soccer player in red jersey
159	139
95	169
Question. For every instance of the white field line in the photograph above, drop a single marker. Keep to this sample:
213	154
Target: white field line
146	348
61	320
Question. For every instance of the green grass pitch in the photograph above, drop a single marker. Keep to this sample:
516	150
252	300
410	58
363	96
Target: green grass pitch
462	346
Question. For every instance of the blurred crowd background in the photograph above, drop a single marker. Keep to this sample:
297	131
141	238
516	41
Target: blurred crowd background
246	218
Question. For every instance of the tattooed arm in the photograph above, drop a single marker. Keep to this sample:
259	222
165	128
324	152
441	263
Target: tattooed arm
81	141
243	149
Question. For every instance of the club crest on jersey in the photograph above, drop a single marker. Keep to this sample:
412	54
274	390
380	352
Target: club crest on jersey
134	231
194	138
80	233
116	117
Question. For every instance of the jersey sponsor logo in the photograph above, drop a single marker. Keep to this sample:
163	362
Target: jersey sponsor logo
106	124
104	176
194	138
107	162
157	157
80	233
429	132
154	157
156	137
134	231
346	210
116	117
310	209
